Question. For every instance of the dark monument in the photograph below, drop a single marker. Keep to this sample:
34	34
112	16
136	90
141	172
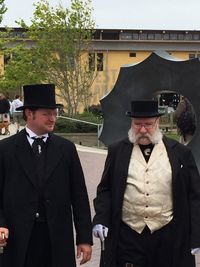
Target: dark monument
159	71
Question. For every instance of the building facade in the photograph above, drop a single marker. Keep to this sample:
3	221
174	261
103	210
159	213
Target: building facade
113	48
116	48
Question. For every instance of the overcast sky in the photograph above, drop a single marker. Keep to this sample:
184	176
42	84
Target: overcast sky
124	14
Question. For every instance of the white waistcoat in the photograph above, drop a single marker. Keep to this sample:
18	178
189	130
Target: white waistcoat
148	194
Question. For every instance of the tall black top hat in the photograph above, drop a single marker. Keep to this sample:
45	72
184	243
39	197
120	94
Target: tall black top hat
143	109
39	96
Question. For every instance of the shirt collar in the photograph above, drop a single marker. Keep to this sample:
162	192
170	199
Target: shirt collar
31	134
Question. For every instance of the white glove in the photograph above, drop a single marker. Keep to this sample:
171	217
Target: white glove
100	231
195	251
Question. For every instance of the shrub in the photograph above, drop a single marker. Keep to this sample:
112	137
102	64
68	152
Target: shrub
68	126
95	110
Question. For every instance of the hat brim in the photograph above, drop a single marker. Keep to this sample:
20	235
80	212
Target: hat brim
143	115
39	106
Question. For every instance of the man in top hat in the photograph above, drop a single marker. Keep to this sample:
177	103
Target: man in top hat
148	200
42	191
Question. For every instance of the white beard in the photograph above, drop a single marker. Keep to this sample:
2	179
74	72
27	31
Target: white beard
154	139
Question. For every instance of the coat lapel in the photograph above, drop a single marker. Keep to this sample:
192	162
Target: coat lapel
125	156
23	155
174	161
53	156
124	159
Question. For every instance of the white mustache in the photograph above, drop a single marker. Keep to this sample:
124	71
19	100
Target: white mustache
154	139
138	136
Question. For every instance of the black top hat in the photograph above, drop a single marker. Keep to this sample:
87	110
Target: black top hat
39	96
143	109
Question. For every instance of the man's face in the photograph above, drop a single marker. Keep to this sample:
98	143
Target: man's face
42	120
144	129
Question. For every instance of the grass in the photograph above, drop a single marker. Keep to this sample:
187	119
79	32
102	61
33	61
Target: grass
173	135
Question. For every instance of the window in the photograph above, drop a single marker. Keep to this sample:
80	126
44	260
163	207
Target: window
6	59
92	61
95	61
126	36
166	36
143	36
188	36
191	56
110	36
195	36
132	54
135	36
158	36
96	35
151	36
71	62
173	36
180	36
99	61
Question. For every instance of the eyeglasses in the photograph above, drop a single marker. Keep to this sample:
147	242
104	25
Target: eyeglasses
148	125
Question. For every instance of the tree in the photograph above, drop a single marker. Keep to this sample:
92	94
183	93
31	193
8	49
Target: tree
63	37
3	9
19	62
21	68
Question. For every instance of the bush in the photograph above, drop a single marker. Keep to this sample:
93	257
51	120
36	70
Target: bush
95	110
68	126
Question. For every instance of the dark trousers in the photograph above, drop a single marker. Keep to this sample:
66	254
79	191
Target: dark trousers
39	249
145	249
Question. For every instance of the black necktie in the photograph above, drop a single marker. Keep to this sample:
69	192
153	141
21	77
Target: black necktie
37	145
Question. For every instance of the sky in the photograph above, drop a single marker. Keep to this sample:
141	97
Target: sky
123	14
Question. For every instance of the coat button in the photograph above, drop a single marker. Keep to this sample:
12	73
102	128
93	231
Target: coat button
47	200
37	215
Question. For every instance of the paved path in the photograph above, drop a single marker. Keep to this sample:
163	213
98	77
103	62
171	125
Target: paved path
92	160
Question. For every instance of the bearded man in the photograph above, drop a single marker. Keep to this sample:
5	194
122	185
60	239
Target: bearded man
148	201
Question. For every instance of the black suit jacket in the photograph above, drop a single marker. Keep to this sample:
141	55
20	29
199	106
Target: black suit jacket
64	193
186	199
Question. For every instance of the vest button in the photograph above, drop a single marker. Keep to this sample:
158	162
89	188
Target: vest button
37	215
147	194
147	182
146	217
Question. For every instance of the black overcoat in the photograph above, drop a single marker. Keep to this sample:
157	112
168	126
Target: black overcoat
64	193
186	200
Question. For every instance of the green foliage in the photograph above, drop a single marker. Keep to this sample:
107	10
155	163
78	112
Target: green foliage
96	110
63	37
172	135
67	126
3	9
90	117
21	68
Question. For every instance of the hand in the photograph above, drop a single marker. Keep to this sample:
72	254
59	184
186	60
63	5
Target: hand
195	251
86	251
4	233
100	231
